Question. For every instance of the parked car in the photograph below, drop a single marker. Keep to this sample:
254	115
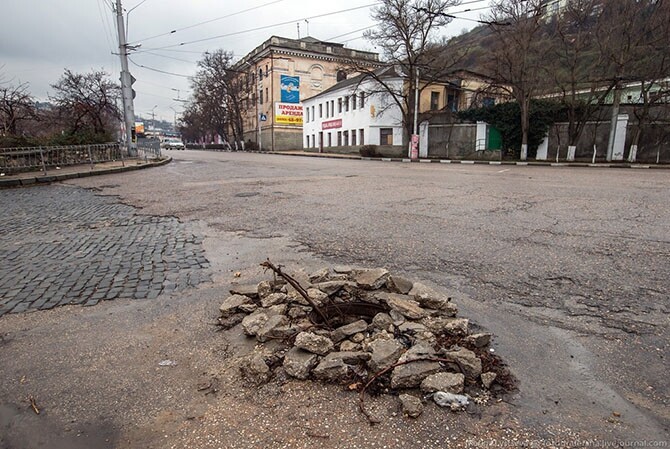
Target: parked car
173	144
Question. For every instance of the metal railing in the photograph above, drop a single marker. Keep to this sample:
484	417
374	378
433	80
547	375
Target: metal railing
149	149
18	160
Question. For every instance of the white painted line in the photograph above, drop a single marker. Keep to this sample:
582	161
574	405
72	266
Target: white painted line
407	160
522	163
423	161
503	171
557	164
445	161
386	159
640	166
467	162
495	163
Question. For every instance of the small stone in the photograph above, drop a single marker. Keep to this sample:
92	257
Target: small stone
472	365
404	305
358	338
273	299
448	382
296	312
332	287
372	279
429	298
384	353
264	288
299	363
479	340
342	269
411	405
319	276
245	290
350	358
273	328
382	321
279	309
317	295
488	379
253	323
349	346
232	303
343	332
397	317
397	284
316	344
231	321
446	325
418	351
331	370
255	369
412	374
411	327
248	308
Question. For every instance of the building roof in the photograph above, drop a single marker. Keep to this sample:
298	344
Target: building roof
382	72
308	46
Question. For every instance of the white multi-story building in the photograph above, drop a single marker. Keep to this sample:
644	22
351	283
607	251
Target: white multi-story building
353	113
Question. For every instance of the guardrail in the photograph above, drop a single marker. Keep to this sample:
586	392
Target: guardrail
149	149
18	160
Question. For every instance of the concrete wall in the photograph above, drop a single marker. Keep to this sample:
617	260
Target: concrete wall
457	141
393	151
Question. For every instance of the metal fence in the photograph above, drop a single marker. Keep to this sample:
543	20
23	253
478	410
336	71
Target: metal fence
149	149
17	160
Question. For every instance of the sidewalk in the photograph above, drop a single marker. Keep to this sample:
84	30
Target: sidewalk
472	162
77	171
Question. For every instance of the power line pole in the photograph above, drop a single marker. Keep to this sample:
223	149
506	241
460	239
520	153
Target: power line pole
126	78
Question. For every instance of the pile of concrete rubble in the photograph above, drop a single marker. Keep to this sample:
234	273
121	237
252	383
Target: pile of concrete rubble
354	327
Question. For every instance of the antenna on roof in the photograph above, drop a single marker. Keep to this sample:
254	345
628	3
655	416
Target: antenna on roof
298	25
307	22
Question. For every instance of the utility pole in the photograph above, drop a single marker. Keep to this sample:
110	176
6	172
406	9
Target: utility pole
414	141
126	79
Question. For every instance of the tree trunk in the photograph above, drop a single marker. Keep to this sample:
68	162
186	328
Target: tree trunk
525	105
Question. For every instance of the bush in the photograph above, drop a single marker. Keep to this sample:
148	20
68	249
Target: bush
369	151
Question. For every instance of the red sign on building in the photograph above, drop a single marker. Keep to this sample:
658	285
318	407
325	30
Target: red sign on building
332	124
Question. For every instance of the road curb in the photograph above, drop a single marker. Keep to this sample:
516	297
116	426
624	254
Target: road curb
38	180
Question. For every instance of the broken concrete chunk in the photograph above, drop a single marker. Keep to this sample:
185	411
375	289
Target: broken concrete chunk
342	269
403	304
331	370
372	279
384	354
429	298
412	374
418	351
411	327
468	360
349	346
319	276
358	338
350	358
453	401
447	382
273	299
255	369
479	340
446	325
271	328
382	321
248	308
264	288
332	287
253	323
411	405
343	332
279	309
316	344
488	379
296	312
299	363
317	296
397	317
397	284
232	303
245	290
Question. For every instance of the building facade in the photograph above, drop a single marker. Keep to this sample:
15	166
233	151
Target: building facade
278	75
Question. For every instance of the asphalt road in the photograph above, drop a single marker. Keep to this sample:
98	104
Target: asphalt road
568	267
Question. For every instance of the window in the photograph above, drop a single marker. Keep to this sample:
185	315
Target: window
434	101
353	137
332	108
339	138
346	104
353	101
330	139
306	115
451	103
327	109
306	141
266	70
488	102
386	136
339	105
261	98
314	140
267	96
361	140
362	101
313	114
345	135
320	110
260	74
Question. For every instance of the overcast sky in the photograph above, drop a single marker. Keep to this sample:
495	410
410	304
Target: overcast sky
40	38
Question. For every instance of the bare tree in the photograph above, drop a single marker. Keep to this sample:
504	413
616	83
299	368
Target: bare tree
517	58
87	103
217	96
406	36
16	106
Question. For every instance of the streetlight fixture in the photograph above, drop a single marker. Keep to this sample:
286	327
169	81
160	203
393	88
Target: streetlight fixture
153	117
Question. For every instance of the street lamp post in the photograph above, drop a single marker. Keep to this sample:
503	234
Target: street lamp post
153	117
175	118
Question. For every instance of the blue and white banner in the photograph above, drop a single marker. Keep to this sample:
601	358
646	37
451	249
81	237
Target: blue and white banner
290	89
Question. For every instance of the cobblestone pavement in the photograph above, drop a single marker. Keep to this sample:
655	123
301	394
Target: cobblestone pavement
63	245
